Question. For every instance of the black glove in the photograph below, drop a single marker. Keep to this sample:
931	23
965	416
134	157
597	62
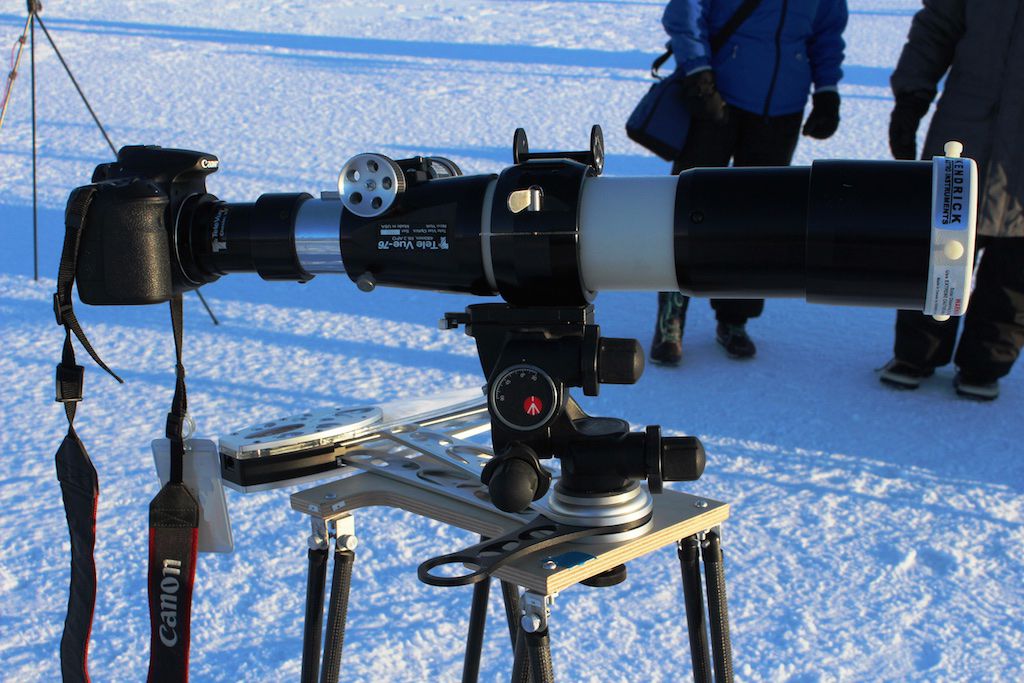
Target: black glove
702	98
906	116
824	118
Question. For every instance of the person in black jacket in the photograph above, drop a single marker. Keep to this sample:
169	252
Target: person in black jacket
747	102
979	46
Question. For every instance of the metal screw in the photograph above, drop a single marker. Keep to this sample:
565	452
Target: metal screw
550	565
700	504
531	623
347	542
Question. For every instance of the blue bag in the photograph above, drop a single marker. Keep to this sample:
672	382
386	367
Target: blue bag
661	120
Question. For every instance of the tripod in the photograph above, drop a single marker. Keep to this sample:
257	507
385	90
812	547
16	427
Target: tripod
28	35
593	519
34	8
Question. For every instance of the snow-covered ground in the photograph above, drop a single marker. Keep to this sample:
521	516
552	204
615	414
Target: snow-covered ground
875	535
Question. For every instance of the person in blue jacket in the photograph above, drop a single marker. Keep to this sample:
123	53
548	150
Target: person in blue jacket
747	102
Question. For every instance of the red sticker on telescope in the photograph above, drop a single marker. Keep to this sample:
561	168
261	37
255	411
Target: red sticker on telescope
533	406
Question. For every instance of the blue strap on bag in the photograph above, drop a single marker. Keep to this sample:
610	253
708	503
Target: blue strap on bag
661	120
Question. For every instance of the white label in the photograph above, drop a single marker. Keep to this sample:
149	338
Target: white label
954	216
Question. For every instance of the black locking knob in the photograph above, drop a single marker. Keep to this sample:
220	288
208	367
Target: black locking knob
682	458
619	361
515	478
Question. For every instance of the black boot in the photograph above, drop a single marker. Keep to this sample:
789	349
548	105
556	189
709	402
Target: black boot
903	374
970	385
667	346
735	340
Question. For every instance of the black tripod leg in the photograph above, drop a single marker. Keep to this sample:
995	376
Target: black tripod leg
693	596
337	612
312	631
475	637
510	593
521	662
35	200
538	645
714	572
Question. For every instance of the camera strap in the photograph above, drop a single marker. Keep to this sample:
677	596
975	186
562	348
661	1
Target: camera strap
174	512
173	542
79	484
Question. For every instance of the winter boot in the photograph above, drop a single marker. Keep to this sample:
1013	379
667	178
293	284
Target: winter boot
903	374
973	386
735	341
667	346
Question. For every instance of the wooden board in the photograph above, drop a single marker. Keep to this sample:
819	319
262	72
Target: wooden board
676	516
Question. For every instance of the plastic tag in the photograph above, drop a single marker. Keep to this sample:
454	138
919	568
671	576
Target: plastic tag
201	474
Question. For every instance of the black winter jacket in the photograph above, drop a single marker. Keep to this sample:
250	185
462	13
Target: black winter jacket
980	43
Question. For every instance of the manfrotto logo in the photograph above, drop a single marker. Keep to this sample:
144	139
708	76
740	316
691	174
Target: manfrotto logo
169	587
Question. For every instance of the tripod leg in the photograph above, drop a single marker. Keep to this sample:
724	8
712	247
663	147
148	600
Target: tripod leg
313	628
510	593
533	638
35	200
475	637
714	572
538	645
74	82
337	612
693	596
521	661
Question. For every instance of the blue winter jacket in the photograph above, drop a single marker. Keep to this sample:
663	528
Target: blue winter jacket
769	63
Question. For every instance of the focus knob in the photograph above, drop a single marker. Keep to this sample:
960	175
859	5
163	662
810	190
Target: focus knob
369	183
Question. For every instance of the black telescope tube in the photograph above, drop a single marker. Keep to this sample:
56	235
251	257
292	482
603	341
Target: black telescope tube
869	233
848	232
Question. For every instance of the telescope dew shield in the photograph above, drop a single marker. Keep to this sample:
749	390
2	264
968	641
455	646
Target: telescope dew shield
869	233
892	234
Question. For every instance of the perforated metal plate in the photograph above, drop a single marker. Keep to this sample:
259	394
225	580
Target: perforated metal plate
305	431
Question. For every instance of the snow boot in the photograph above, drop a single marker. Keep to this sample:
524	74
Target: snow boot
903	374
975	387
735	341
667	346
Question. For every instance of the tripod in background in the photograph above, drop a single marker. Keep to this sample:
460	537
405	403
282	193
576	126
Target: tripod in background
28	34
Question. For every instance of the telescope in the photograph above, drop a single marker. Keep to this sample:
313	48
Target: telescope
546	234
548	231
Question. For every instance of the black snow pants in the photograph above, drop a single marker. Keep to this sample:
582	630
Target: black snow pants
993	327
746	139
